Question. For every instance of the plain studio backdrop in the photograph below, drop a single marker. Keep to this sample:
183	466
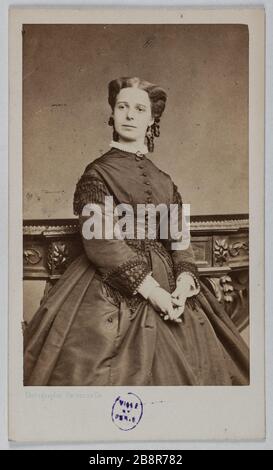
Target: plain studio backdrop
204	129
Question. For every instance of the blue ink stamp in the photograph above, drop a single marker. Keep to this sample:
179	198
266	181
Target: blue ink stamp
127	411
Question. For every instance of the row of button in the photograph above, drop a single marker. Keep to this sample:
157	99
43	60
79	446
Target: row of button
146	182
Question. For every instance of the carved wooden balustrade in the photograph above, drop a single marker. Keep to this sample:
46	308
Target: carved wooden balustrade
220	245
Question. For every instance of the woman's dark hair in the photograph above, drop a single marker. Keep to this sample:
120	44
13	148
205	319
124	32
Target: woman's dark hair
158	98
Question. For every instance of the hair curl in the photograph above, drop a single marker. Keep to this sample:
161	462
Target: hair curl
158	98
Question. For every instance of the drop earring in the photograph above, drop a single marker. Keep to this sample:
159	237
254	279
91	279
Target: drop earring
152	132
150	139
112	124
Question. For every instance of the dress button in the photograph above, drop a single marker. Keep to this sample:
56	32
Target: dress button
147	182
137	158
110	320
144	174
148	191
141	167
149	199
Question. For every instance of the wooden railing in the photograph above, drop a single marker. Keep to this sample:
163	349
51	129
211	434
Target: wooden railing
220	244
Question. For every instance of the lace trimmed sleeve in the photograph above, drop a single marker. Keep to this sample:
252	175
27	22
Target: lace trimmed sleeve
118	264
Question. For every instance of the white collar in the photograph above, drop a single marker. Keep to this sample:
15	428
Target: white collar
143	149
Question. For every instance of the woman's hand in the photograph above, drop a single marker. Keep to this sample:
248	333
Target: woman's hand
162	302
181	293
185	287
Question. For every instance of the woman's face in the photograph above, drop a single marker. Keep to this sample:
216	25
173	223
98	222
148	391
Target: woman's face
132	114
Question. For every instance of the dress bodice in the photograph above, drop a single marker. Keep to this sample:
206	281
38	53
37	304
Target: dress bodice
132	179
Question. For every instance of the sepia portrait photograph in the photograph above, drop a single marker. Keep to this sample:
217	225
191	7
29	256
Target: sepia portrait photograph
135	227
119	121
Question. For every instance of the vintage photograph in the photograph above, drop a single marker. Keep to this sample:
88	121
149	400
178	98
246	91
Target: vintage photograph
136	225
135	204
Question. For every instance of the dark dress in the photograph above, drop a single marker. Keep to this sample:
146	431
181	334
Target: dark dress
93	329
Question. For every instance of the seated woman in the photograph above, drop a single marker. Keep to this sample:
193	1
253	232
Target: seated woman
132	311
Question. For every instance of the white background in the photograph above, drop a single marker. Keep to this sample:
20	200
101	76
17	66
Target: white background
4	444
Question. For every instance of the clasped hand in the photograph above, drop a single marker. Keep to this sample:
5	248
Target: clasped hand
171	306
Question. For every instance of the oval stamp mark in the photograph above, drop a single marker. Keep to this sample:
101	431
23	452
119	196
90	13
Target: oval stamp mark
127	411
